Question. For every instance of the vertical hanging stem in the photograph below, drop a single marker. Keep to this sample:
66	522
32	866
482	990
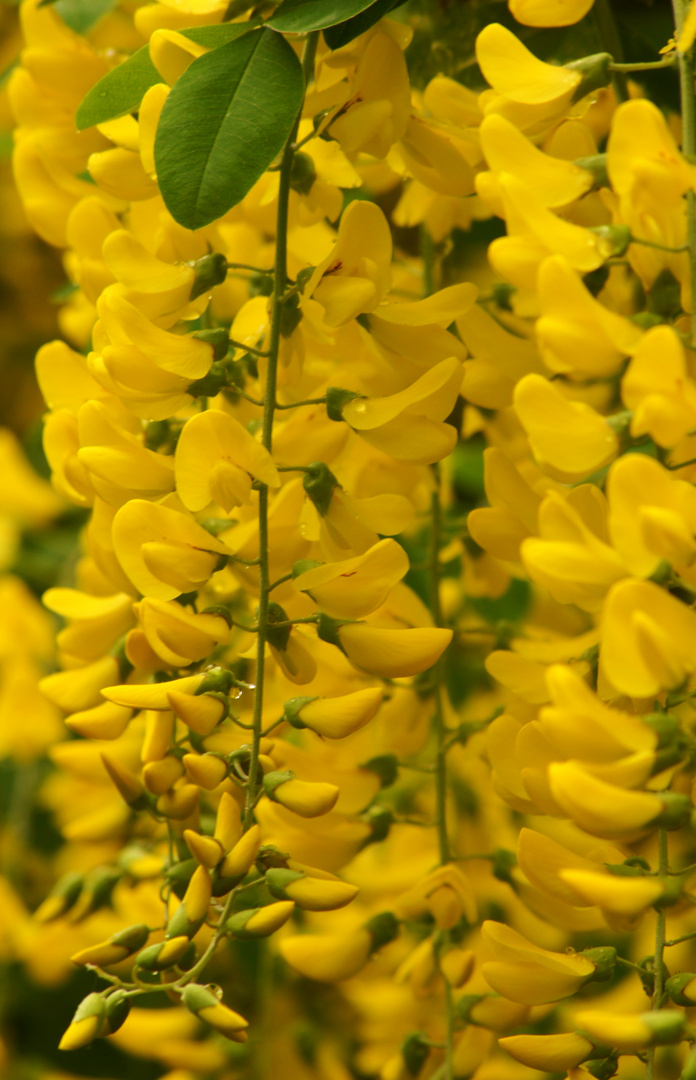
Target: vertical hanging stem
688	106
277	301
658	961
437	674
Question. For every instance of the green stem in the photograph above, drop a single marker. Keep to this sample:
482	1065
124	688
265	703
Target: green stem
658	961
646	65
277	300
688	104
609	35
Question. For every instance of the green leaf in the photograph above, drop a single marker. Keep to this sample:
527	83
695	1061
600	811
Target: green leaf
343	33
82	15
119	92
226	119
300	16
123	88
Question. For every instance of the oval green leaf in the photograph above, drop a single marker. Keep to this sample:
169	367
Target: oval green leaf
343	33
301	16
123	88
226	119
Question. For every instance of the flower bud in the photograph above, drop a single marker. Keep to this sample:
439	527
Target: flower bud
160	776
201	713
204	1004
237	863
210	270
548	1053
61	898
193	909
637	1032
334	957
87	1023
163	954
127	783
259	922
179	803
120	945
117	1008
334	718
228	824
309	893
206	770
206	850
302	797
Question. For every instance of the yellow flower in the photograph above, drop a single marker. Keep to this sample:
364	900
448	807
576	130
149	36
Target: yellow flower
217	459
549	12
390	653
179	636
636	1032
568	557
658	388
528	974
648	639
599	808
509	67
172	53
653	516
356	275
409	425
445	893
353	588
555	182
583	727
334	957
378	106
549	1053
534	233
164	552
576	334
568	435
95	622
513	512
336	717
302	797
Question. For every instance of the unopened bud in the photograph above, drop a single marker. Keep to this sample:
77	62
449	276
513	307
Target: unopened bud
259	922
210	270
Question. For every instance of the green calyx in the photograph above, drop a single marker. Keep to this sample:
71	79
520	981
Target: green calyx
216	336
336	398
614	238
277	636
319	484
273	780
211	384
303	173
383	928
293	707
210	270
676	810
327	630
415	1050
597	165
386	767
278	879
217	681
196	997
595	73
675	986
132	938
604	960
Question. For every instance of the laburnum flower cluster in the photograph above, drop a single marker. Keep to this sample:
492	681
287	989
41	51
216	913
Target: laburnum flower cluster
313	738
